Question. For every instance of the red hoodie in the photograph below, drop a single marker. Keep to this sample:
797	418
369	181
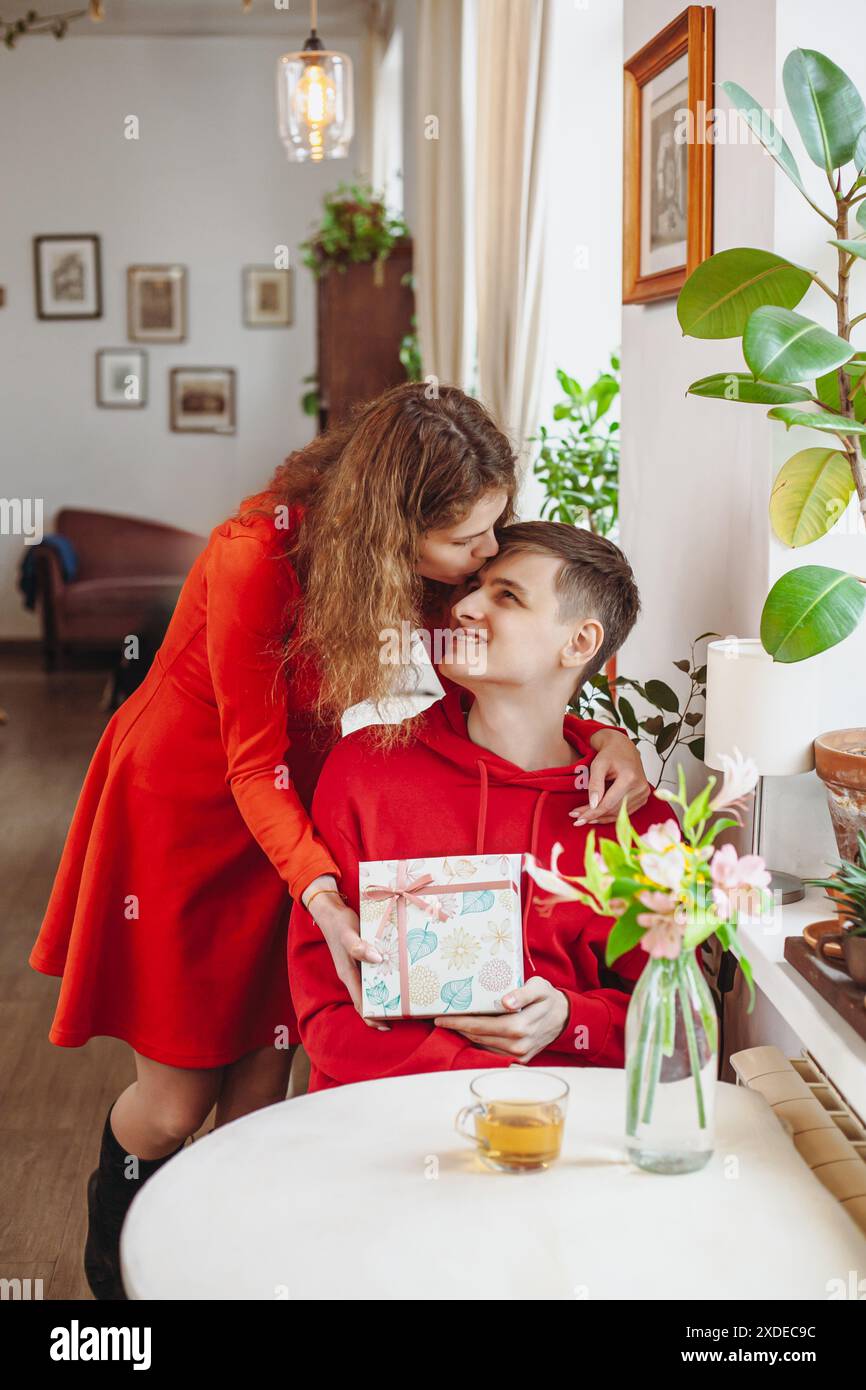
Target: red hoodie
441	794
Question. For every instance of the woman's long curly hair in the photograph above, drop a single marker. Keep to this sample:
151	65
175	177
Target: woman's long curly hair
405	464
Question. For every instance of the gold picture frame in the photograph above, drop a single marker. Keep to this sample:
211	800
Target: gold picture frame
668	180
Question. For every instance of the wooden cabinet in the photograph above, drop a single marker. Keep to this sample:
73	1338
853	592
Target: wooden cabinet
363	316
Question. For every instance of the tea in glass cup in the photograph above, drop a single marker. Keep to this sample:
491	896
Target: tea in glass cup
518	1118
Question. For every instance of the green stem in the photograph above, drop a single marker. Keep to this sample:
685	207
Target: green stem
694	1058
654	1068
822	285
634	1080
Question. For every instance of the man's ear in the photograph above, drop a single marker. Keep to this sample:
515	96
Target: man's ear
583	644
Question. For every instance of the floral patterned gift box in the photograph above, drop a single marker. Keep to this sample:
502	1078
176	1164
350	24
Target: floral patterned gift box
449	931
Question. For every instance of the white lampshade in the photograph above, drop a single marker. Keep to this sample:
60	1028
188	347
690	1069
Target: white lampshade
770	710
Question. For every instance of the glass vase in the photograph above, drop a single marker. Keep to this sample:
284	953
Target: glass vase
671	1042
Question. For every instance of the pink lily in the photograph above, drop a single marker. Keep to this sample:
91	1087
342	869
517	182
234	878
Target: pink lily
731	874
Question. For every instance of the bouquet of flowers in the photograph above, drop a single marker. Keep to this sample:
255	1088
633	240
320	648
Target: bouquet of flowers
669	889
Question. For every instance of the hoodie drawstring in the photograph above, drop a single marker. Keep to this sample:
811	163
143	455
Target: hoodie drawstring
482	806
483	794
533	848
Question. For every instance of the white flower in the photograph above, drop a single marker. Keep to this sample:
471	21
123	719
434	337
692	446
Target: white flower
666	869
662	835
550	879
740	779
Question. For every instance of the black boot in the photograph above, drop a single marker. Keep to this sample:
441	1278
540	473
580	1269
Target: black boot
109	1197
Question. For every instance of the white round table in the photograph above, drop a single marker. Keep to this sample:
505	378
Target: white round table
366	1192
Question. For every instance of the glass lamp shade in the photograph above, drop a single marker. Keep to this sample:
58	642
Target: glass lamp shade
314	101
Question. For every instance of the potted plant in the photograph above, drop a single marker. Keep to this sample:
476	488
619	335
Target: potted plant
669	889
847	892
810	378
356	226
579	467
675	720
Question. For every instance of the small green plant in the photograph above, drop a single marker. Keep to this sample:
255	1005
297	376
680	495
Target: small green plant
410	347
675	721
847	888
356	226
310	398
579	465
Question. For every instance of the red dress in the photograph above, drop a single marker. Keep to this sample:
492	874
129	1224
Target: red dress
168	916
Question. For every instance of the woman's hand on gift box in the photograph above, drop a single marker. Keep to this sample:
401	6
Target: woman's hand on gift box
537	1014
341	928
615	775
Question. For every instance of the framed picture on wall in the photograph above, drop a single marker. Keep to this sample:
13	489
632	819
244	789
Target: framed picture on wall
156	303
268	297
668	158
121	378
202	400
68	276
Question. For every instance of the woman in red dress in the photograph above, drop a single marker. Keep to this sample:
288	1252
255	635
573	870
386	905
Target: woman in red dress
191	837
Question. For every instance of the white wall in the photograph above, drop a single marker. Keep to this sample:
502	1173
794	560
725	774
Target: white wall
696	474
583	256
207	185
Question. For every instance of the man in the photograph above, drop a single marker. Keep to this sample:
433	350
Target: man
494	767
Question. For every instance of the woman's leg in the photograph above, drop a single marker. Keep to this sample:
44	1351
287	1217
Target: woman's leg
260	1078
163	1106
147	1124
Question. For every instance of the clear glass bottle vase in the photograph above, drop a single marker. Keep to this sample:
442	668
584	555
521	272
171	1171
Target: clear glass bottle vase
671	1045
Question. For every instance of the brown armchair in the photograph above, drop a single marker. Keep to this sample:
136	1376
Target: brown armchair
127	570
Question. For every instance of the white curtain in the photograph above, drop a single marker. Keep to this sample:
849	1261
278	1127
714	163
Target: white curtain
512	111
372	134
440	234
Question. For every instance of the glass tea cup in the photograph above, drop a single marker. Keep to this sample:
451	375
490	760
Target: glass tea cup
519	1118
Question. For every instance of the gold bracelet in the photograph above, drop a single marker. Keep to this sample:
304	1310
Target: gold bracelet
306	905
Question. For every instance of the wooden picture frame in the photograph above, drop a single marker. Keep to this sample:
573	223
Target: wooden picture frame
111	394
156	303
194	395
668	181
268	297
73	275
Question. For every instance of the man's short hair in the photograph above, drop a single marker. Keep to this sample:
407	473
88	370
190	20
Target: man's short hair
595	580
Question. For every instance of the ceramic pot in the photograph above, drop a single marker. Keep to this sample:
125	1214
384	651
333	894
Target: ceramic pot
840	762
854	951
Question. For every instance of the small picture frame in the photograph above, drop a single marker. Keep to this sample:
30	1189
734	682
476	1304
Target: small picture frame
668	158
121	378
156	303
202	400
268	297
67	276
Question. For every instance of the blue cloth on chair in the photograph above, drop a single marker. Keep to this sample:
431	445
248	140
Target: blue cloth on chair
27	578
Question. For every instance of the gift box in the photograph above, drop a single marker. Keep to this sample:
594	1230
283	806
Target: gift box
449	931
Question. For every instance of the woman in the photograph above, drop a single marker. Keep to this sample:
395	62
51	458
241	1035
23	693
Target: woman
168	916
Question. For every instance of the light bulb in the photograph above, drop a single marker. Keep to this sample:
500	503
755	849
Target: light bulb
315	98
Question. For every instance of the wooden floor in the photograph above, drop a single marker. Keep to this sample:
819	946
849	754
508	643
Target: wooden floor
53	1100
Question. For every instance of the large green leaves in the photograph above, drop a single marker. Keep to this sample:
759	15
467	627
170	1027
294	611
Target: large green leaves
854	248
810	609
739	386
809	495
816	420
781	346
827	387
760	124
826	105
721	293
861	214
